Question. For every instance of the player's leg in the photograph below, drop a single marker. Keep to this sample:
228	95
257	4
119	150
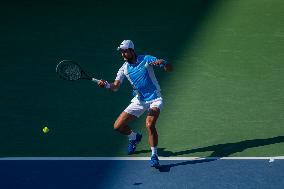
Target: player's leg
152	117
151	120
121	123
133	111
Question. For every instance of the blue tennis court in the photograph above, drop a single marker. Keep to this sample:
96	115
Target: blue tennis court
88	173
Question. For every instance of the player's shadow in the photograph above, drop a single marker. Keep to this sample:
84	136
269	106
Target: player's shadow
167	167
218	150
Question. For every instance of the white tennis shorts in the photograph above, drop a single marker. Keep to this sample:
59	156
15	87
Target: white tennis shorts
137	107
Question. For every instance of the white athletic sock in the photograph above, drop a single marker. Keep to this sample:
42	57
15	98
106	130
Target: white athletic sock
132	136
154	150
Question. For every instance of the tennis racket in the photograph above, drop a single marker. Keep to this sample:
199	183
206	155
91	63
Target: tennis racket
72	71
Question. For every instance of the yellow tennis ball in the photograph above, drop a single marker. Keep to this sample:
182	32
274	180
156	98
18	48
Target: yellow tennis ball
45	130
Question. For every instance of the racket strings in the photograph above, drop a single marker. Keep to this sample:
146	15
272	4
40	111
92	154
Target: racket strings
70	71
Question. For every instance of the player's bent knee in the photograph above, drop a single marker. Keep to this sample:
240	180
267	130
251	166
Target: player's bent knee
117	125
150	125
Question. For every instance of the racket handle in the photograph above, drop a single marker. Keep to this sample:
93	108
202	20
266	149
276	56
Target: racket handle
95	80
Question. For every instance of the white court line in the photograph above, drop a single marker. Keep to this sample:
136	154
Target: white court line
140	158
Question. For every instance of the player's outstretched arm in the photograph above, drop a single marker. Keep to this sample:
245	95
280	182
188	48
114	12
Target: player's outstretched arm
115	85
112	86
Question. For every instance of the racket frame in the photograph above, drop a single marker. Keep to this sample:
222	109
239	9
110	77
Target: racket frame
84	75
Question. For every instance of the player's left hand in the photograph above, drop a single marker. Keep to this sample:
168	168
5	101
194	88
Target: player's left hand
158	62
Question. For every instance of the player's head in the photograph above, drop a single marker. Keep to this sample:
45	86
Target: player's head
127	50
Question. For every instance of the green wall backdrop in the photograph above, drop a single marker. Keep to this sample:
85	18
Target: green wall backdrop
224	98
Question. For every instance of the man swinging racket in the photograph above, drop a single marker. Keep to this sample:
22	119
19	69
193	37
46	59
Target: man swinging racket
138	69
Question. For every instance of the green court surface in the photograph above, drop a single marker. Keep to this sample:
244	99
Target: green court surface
224	97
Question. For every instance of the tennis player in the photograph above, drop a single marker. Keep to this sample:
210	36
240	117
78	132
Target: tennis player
138	69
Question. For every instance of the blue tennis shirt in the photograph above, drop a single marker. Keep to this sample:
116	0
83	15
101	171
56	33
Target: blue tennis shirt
142	77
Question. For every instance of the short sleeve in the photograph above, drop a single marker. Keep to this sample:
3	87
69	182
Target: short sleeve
150	59
120	74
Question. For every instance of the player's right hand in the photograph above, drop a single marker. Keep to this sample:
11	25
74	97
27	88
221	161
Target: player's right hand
103	84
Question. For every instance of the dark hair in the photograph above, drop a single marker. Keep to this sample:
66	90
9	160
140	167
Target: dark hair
134	52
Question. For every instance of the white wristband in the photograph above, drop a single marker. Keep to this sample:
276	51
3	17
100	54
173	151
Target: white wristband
107	85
